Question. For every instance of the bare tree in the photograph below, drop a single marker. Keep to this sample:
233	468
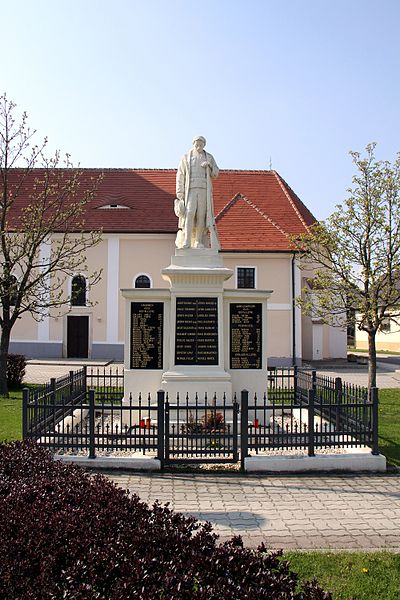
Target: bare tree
43	239
355	254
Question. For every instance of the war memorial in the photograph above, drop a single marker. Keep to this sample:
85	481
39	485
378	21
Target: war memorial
196	385
196	338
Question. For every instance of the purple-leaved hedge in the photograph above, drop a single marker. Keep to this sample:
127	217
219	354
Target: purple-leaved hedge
68	534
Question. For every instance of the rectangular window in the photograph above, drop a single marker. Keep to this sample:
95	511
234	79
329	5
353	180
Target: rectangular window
246	277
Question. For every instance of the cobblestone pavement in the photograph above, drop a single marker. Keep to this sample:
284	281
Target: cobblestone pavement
318	512
388	375
42	371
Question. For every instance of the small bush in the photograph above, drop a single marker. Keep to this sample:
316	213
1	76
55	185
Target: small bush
16	365
66	534
213	421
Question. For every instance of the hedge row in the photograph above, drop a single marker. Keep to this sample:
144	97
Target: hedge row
68	534
16	365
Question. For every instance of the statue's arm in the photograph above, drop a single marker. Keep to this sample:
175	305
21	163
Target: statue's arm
180	180
214	171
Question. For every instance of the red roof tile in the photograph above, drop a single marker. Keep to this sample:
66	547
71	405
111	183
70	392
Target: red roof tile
255	210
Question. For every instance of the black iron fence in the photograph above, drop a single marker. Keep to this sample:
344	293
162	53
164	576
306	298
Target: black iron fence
86	413
307	412
205	431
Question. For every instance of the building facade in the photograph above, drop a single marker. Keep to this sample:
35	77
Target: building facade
256	213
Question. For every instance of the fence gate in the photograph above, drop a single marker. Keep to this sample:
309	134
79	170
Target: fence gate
201	432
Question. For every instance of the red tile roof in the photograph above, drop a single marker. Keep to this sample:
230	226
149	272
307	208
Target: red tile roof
255	210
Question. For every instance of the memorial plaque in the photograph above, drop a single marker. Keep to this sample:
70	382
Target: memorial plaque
245	336
147	335
196	335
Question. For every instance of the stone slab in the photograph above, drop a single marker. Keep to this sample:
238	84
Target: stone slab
114	462
349	462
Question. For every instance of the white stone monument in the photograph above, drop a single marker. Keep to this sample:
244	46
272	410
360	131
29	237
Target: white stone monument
196	337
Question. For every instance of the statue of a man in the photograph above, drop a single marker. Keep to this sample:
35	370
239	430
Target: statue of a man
194	205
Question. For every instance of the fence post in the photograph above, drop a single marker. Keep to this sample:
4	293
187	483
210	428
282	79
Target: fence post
25	400
314	380
84	378
311	398
71	384
375	409
160	426
244	427
338	398
295	376
235	430
53	388
92	451
166	432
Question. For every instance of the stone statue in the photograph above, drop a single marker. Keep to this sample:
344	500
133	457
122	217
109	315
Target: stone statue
194	203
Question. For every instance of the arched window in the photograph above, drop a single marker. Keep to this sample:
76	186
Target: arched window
142	281
78	291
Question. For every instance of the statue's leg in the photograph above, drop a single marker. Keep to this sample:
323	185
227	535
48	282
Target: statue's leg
189	218
201	218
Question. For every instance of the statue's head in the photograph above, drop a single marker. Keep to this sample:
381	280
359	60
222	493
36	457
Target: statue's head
199	142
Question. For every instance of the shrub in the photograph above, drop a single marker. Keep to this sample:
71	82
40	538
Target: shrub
16	364
67	534
213	421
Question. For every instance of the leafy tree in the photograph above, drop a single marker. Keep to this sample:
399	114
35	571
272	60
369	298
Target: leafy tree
354	256
42	235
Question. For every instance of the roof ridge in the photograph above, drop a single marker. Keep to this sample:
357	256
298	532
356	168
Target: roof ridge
228	205
256	208
283	187
265	216
162	169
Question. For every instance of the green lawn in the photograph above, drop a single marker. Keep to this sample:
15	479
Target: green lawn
389	425
365	351
351	575
11	417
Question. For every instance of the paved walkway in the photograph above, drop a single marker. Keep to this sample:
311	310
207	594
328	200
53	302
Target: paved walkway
341	512
40	371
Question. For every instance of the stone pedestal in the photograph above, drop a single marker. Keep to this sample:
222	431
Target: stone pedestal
197	329
196	338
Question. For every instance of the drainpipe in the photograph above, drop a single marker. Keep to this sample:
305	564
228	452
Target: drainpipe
293	311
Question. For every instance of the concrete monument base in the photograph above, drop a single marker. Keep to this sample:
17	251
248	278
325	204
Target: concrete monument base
196	338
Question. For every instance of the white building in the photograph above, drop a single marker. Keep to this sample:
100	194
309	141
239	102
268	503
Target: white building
255	212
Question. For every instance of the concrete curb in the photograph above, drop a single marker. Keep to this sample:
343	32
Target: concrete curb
113	462
349	462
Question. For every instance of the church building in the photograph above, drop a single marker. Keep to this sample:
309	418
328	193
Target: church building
256	212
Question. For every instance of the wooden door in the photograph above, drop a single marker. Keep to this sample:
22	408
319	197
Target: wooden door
77	337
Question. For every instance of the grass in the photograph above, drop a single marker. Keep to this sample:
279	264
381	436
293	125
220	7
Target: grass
351	575
365	351
389	425
11	416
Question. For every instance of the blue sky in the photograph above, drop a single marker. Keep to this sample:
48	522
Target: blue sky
128	83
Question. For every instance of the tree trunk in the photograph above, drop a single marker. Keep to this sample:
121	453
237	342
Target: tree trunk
371	360
4	346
